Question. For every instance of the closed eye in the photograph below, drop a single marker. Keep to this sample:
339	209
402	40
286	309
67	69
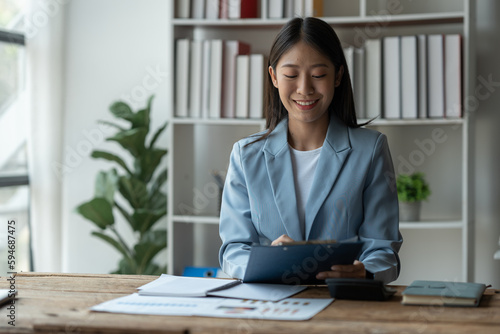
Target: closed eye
319	76
290	76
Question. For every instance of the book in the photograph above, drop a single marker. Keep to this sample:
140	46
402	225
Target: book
392	77
313	8
441	293
422	75
298	8
258	70
212	9
242	86
349	58
182	77
359	81
373	78
232	49
195	79
198	9
288	9
435	76
453	75
205	85
224	9
242	9
409	77
216	75
181	286
182	9
275	9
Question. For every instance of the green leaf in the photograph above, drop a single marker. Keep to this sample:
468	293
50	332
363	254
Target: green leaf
98	211
106	185
146	164
160	180
113	243
121	110
125	214
157	134
132	140
113	125
134	191
144	219
151	244
158	202
126	267
111	157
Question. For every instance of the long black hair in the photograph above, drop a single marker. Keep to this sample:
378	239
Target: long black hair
321	36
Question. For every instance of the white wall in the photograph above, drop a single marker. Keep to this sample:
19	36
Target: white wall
111	44
112	47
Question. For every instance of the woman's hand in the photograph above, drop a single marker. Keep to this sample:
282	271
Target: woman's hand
356	270
282	239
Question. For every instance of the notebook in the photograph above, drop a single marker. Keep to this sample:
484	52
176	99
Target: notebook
441	293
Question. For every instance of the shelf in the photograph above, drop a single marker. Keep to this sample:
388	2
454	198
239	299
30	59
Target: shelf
262	122
195	219
423	121
402	225
219	121
431	225
382	20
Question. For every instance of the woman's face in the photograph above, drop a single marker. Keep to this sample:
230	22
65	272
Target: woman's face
306	83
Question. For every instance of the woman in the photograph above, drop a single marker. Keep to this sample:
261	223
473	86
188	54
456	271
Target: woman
315	174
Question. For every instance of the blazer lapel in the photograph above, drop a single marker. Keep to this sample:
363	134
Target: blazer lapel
279	168
334	152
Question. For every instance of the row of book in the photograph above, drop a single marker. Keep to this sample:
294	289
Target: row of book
218	79
407	77
240	9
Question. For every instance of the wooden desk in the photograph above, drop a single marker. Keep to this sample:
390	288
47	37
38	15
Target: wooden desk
59	303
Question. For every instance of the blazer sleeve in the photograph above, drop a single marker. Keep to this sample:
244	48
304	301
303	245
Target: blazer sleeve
380	227
236	229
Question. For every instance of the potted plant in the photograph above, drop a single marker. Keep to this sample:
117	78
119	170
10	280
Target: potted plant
412	190
132	190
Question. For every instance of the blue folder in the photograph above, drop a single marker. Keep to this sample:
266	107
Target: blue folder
297	264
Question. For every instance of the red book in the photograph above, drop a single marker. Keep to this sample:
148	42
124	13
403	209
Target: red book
242	9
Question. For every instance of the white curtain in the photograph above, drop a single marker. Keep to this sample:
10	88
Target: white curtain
44	46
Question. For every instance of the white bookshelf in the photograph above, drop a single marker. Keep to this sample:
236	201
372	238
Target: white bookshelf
198	146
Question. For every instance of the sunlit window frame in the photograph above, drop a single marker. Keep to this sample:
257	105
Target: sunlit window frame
11	180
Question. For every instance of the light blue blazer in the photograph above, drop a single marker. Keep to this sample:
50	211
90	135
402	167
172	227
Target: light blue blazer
353	197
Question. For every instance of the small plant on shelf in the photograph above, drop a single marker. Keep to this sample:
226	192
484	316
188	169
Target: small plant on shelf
135	192
412	190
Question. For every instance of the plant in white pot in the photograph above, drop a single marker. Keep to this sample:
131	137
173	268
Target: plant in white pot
412	190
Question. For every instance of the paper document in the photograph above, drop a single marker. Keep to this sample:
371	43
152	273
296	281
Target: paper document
179	286
287	309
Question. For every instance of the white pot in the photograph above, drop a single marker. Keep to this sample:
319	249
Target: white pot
409	211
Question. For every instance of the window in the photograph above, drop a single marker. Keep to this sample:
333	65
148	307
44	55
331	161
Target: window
14	180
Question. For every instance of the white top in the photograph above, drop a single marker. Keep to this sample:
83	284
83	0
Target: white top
304	166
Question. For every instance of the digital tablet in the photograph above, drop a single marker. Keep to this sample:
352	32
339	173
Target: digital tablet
297	263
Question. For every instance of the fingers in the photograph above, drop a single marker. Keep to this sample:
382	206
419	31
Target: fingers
282	239
356	270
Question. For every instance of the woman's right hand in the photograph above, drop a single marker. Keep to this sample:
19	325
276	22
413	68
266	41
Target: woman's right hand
282	239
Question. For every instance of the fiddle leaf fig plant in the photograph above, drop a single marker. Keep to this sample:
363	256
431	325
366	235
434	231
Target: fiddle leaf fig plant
134	191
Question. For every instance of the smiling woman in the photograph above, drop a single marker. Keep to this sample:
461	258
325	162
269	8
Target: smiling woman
315	174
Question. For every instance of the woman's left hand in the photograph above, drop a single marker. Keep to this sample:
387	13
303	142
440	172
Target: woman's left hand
356	270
